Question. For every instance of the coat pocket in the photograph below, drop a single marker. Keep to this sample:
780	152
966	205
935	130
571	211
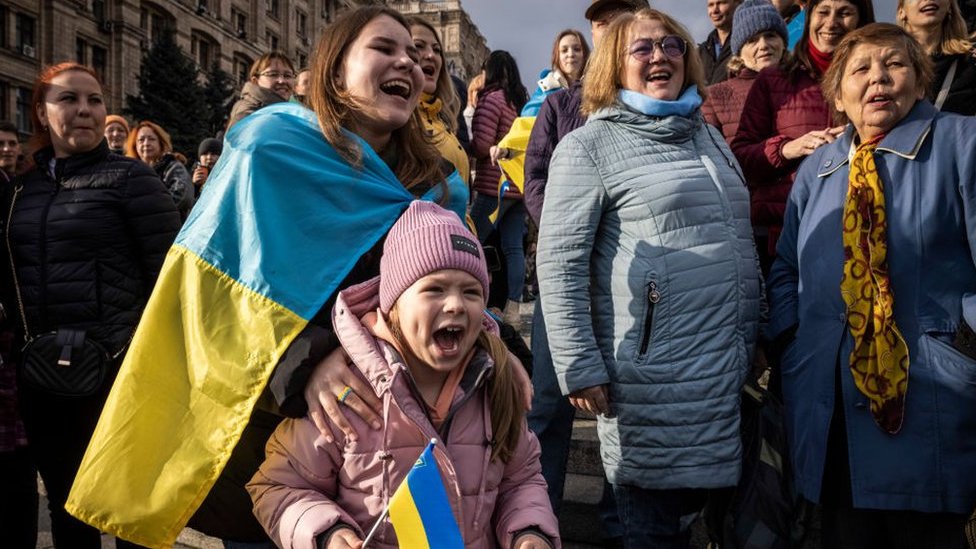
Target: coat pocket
652	296
951	366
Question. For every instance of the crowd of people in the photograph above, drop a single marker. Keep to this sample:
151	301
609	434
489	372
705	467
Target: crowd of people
789	204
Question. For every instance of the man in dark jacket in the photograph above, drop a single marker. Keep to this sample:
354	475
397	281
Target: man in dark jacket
715	50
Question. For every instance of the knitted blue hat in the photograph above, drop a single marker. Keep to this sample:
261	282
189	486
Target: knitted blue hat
753	17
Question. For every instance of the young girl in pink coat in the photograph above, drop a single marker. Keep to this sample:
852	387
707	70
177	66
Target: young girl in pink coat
417	334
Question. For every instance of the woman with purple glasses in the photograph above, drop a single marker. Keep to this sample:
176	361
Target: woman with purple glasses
649	278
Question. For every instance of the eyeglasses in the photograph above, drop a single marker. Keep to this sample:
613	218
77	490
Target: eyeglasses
275	75
672	46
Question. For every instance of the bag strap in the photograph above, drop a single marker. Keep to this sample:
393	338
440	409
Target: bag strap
13	268
946	84
68	339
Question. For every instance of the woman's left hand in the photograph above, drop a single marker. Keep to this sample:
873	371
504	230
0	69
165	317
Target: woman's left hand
532	541
595	400
498	153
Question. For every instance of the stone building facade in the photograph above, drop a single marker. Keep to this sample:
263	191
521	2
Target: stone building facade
111	36
465	49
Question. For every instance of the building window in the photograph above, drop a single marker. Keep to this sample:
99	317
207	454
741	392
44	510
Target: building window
204	51
328	10
302	60
272	8
23	118
301	23
4	105
271	39
239	20
242	67
98	10
154	22
99	61
25	35
81	51
3	26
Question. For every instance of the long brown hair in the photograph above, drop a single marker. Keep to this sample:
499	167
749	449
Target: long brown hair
41	137
602	82
504	394
165	142
450	102
555	53
418	160
801	54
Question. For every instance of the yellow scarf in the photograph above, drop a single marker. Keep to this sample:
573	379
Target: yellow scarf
879	361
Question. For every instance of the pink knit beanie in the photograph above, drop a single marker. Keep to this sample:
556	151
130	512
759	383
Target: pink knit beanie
427	238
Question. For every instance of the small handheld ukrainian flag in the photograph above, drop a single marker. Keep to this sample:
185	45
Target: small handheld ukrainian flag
419	509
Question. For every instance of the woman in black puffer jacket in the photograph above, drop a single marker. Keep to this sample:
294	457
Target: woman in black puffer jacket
87	234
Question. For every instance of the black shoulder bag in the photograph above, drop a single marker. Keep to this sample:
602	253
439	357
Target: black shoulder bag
64	362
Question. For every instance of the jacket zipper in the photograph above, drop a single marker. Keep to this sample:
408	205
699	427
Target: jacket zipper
653	296
13	268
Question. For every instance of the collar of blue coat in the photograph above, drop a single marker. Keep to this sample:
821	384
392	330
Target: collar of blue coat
687	103
287	217
904	140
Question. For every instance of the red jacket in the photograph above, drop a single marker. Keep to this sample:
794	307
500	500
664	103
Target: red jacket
493	118
723	108
780	107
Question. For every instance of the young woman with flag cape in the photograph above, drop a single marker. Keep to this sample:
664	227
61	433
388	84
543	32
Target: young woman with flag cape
296	208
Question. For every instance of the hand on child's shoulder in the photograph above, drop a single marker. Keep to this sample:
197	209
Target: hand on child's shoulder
344	538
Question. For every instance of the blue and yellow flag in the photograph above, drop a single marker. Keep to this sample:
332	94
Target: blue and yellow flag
282	220
420	511
517	142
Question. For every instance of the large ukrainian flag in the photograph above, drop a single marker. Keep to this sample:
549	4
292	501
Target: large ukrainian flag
281	221
420	511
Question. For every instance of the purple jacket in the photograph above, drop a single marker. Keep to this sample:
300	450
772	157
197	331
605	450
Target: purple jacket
559	115
493	118
306	486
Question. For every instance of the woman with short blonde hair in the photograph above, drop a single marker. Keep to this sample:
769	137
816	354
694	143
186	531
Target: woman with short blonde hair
645	225
602	76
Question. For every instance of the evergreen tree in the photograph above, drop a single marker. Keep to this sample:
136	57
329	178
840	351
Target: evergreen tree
219	92
170	94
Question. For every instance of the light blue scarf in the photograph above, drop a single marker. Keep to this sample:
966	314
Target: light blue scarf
683	106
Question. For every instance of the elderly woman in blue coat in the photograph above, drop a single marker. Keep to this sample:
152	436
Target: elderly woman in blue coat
872	298
649	279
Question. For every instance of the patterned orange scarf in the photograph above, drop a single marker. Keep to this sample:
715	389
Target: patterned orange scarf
879	361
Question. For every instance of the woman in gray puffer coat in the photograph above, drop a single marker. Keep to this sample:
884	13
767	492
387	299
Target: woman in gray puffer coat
649	278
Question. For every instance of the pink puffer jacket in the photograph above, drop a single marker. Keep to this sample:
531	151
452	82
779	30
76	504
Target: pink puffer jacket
306	486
